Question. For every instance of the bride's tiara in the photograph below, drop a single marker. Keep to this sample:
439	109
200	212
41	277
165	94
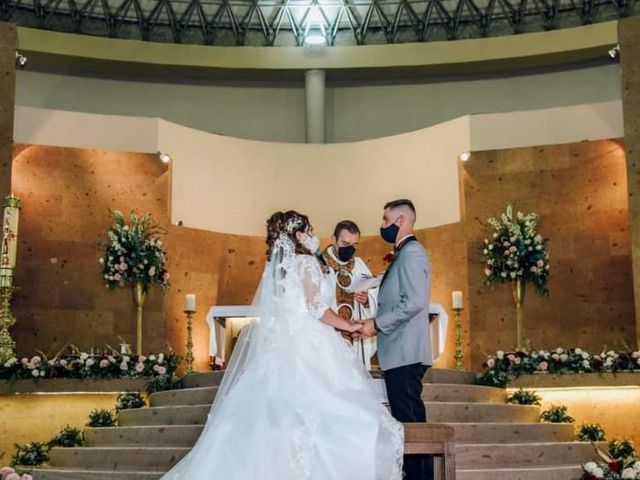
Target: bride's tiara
293	224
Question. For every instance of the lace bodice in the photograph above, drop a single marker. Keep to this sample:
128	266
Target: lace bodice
309	289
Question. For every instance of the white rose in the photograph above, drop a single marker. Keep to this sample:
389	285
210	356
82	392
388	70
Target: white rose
559	350
513	274
42	373
629	473
161	357
139	367
586	364
485	251
635	355
500	354
491	247
564	357
636	466
504	274
487	272
35	372
585	355
152	271
152	358
90	362
84	356
126	358
590	467
124	366
578	351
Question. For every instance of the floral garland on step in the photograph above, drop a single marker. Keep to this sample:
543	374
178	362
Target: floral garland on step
504	366
86	365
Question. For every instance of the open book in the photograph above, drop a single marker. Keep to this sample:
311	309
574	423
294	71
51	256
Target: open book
363	283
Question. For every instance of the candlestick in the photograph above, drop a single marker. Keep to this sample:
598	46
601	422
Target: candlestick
459	354
190	302
8	251
456	299
189	314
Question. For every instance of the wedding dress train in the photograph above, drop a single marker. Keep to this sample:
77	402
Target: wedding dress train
295	403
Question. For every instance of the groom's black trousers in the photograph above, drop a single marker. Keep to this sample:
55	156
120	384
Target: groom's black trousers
404	390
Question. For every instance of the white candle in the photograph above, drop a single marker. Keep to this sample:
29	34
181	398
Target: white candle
456	298
190	302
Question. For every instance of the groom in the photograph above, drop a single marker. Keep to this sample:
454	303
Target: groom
402	324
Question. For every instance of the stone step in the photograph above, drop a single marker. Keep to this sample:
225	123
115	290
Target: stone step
522	455
149	436
51	473
433	375
437	412
491	432
186	396
203	379
444	412
170	415
431	392
558	472
148	459
448	376
436	392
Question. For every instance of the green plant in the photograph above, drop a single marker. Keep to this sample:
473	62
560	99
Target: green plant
101	418
161	383
556	414
128	400
34	453
67	437
524	397
622	449
591	432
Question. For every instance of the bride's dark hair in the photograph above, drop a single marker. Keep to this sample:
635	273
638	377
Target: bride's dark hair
287	223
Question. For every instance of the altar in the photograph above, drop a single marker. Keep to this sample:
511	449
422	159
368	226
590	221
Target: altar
226	322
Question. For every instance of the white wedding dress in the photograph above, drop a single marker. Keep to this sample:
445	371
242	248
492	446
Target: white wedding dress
295	403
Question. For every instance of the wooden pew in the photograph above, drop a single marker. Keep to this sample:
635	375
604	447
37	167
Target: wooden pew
436	440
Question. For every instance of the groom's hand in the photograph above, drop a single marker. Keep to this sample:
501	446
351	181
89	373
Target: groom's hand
368	329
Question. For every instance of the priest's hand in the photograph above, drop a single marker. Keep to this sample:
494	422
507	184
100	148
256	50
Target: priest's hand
362	298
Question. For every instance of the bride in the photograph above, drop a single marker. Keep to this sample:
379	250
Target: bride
295	403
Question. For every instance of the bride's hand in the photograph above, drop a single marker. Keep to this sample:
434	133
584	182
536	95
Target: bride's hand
355	327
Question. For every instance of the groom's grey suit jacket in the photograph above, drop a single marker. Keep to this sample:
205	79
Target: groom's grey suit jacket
403	309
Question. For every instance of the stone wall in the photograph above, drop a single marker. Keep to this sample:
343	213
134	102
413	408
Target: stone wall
629	37
580	192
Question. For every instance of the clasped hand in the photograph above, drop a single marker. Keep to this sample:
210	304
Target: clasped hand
363	329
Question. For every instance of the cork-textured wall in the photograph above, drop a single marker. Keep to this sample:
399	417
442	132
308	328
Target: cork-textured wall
8	42
66	196
580	192
629	38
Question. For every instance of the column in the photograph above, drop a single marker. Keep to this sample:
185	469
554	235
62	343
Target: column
8	42
629	38
314	92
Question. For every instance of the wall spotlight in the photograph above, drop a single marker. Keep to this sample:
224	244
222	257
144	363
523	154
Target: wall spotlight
21	60
164	157
614	53
464	156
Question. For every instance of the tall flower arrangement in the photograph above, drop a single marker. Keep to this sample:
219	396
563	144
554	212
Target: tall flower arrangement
516	254
515	251
134	255
134	252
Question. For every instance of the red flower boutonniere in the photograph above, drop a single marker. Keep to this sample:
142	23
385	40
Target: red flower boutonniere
389	258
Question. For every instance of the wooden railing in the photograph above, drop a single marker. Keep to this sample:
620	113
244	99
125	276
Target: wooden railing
436	440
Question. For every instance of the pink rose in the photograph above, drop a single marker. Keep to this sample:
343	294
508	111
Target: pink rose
12	476
4	471
26	476
491	363
555	356
24	361
36	359
162	370
544	366
104	363
63	363
117	277
511	357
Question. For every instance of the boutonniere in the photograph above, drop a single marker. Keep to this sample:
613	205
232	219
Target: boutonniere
389	258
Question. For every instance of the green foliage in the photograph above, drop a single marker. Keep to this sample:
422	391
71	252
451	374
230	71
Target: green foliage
31	454
101	418
67	437
524	397
556	414
591	432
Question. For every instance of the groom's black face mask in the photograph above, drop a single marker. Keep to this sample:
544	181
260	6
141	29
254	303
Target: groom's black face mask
390	233
346	253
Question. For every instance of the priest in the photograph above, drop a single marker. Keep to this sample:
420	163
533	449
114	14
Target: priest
344	267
